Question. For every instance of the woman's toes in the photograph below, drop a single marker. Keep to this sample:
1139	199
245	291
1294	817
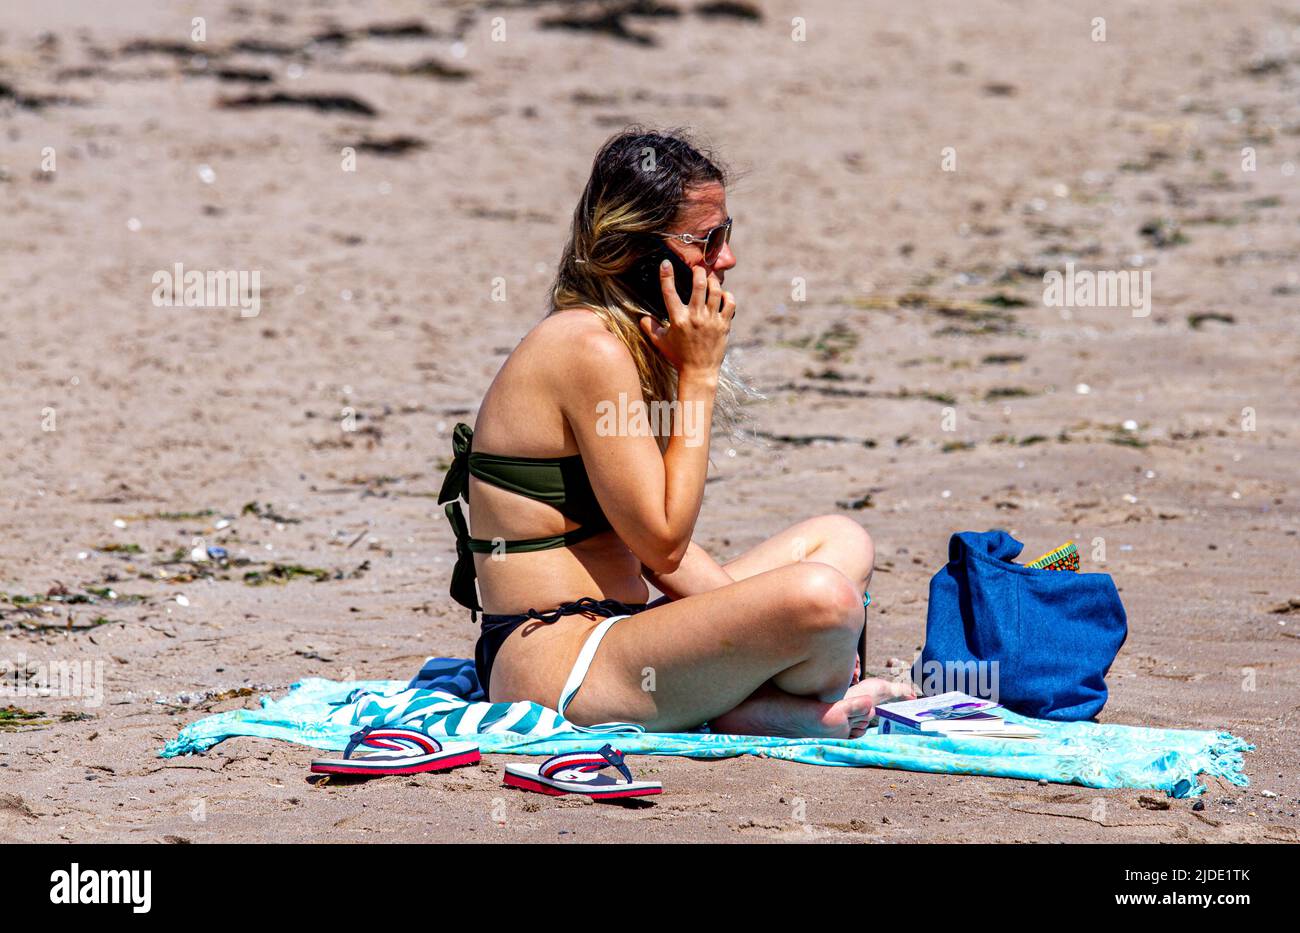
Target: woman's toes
903	690
859	724
852	712
878	689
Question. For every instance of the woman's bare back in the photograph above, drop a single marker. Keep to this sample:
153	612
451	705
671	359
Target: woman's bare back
521	416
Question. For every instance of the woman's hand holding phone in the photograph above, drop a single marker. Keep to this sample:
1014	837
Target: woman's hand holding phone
695	338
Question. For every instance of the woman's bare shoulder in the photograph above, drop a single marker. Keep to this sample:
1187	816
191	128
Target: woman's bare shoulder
578	337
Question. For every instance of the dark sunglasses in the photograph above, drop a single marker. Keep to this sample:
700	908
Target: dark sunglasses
713	241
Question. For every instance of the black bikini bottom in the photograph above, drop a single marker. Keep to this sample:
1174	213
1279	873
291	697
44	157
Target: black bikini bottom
497	628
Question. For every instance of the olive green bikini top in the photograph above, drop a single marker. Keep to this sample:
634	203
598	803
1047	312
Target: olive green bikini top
558	481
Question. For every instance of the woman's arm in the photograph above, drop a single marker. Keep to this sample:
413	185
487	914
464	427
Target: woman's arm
651	500
697	573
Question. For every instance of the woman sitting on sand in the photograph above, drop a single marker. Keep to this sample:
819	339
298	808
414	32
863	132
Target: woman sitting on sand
575	509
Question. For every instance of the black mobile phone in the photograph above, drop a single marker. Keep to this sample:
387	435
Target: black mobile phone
643	280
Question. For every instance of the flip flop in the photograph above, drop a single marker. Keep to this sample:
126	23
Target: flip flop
576	773
397	751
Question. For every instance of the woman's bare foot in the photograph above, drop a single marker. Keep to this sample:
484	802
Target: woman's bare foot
770	711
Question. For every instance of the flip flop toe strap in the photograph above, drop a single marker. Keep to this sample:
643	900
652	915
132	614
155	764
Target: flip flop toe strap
586	762
405	743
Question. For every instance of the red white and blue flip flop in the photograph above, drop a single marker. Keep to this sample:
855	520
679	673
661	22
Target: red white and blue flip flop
396	751
578	773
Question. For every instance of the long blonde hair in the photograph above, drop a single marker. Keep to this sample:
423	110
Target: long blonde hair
638	182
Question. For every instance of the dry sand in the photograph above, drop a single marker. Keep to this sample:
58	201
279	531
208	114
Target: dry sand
377	297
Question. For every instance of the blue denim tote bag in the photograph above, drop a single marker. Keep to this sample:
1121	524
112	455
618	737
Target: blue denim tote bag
1037	641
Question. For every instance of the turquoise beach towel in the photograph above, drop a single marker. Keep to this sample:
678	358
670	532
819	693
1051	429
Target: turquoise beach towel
445	699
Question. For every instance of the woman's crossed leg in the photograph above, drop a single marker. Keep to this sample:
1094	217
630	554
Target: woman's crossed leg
771	654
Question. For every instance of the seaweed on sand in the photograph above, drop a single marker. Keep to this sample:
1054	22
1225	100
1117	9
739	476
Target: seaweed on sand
391	146
322	103
729	9
830	344
283	573
13	718
268	513
611	21
1000	392
974	322
807	440
1196	321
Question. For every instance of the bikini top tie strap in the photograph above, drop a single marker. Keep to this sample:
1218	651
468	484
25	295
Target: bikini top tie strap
455	485
464	574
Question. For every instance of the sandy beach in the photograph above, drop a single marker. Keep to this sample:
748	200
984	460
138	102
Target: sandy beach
908	174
